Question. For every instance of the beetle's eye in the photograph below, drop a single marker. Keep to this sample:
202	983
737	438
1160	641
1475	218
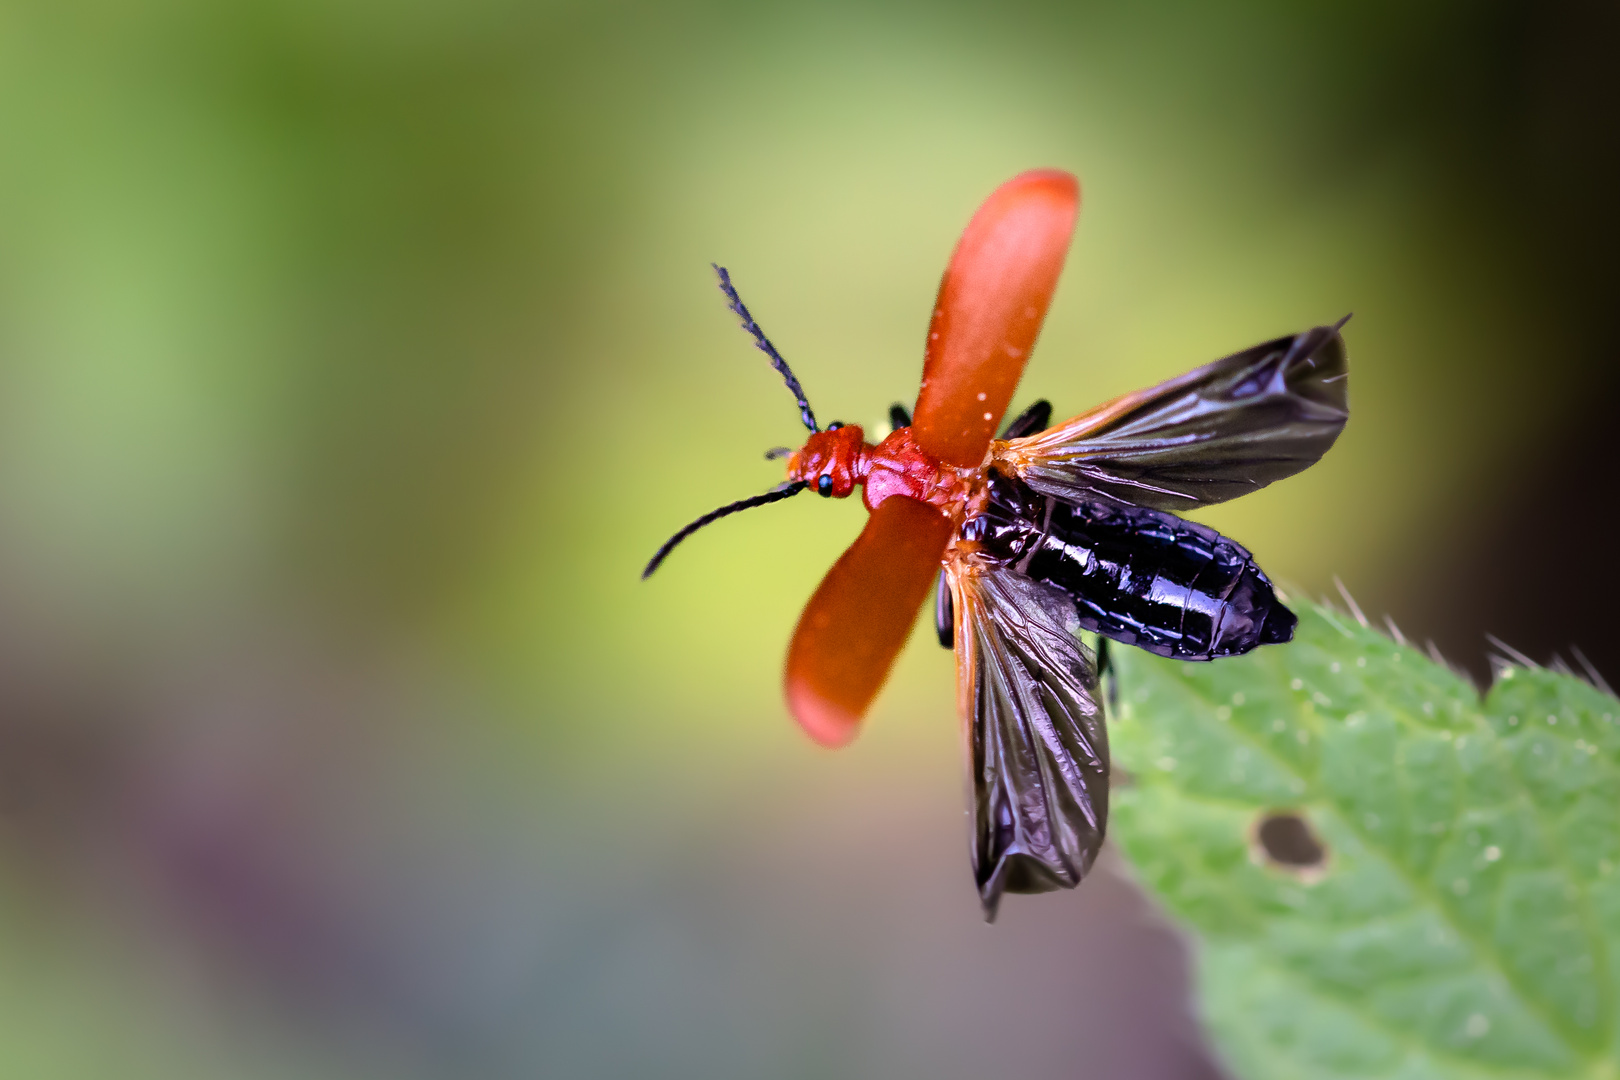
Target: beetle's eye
824	486
835	425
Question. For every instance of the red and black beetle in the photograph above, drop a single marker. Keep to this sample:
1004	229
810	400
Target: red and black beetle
1041	533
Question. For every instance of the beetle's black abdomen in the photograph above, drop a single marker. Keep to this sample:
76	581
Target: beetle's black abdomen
1142	577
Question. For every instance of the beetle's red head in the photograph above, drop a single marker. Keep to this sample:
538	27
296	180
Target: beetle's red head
831	461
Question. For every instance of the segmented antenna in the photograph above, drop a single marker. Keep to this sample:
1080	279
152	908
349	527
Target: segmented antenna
776	494
764	345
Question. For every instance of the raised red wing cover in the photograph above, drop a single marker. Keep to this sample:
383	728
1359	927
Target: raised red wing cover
860	616
991	304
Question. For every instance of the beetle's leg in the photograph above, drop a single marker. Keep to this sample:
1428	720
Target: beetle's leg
1107	675
944	612
898	417
1033	419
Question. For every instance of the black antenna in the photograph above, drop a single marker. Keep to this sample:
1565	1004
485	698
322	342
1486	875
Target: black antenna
765	346
776	494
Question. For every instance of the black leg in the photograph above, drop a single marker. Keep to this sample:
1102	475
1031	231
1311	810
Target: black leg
1106	675
898	417
1033	419
944	613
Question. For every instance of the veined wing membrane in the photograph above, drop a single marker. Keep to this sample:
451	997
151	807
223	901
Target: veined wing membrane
1220	431
1039	749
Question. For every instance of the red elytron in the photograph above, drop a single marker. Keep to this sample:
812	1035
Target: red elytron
1039	534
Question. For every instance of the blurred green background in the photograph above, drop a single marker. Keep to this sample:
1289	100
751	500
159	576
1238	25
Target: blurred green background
354	356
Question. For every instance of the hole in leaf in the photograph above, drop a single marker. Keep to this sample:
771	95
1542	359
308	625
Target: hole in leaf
1285	840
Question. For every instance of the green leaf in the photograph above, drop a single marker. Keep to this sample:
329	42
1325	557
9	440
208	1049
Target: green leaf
1464	919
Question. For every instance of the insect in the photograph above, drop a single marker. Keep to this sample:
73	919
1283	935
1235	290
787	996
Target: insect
1028	538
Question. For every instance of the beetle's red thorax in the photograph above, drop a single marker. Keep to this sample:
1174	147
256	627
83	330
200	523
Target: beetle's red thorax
896	466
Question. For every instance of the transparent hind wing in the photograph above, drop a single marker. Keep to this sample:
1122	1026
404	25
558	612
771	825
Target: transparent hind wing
1038	748
1217	432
